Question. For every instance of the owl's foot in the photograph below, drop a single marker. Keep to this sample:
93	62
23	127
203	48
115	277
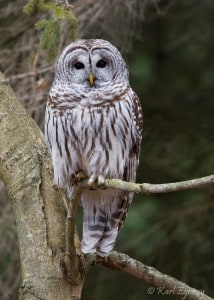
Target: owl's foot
81	175
96	181
75	178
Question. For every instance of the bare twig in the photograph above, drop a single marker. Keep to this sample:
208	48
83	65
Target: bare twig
147	188
70	225
68	5
33	73
35	61
18	49
72	258
158	282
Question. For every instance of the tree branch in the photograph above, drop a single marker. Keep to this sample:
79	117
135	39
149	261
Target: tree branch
158	282
74	260
147	188
32	73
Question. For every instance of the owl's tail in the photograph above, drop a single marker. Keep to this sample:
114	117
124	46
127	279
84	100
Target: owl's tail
103	215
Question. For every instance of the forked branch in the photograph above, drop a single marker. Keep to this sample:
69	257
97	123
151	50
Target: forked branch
158	283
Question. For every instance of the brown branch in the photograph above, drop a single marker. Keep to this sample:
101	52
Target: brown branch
32	73
147	188
74	260
9	51
159	283
68	5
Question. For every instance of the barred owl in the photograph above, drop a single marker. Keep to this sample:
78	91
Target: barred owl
93	124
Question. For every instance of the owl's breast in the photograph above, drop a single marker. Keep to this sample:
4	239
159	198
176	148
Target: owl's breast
95	139
101	136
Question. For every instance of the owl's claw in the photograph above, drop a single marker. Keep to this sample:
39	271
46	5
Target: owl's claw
81	175
75	178
96	181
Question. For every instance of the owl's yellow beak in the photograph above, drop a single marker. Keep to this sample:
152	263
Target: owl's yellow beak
91	79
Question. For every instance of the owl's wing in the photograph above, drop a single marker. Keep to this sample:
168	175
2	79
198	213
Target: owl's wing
137	128
133	158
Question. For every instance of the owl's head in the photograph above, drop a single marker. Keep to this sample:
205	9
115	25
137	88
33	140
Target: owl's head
91	63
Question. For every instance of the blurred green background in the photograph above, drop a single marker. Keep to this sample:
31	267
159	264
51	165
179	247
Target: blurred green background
168	46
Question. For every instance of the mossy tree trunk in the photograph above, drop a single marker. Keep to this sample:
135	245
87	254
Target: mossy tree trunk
25	169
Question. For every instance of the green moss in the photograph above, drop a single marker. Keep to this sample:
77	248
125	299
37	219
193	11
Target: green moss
30	7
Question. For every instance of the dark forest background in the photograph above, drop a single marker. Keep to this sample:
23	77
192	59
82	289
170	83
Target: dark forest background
168	46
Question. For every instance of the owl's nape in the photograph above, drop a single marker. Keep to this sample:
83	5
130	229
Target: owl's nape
93	124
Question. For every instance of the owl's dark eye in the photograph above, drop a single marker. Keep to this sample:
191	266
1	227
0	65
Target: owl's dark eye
101	64
78	65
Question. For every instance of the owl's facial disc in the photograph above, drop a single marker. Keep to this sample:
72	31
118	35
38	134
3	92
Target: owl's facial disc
102	66
91	64
91	68
77	62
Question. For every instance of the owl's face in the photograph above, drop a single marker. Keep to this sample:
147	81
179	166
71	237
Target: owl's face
91	64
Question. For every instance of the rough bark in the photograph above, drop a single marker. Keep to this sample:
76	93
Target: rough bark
40	214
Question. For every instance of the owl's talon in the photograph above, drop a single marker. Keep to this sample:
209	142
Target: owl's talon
81	175
73	180
96	181
100	180
92	182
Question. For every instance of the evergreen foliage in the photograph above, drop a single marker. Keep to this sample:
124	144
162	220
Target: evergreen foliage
52	26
